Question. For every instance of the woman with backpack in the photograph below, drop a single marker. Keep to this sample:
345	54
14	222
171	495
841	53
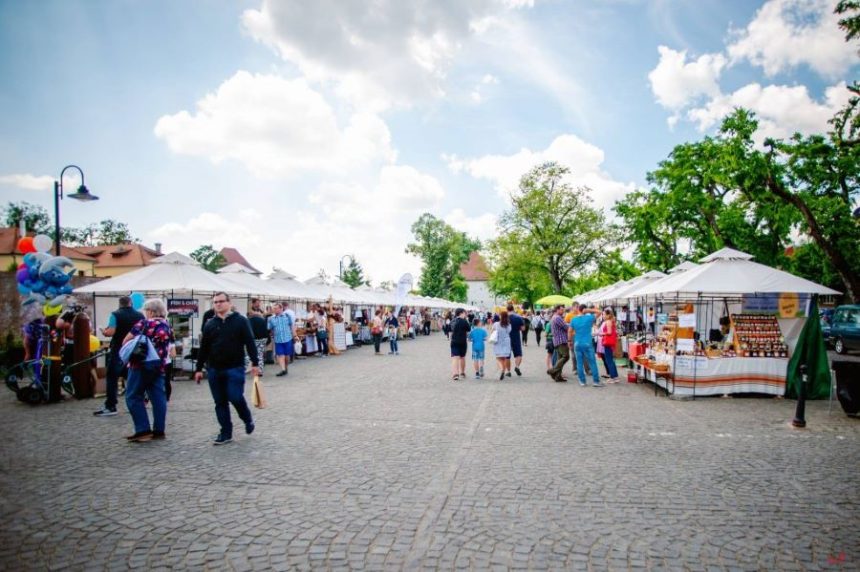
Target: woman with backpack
146	377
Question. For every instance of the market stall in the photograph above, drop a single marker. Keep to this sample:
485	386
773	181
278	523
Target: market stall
726	326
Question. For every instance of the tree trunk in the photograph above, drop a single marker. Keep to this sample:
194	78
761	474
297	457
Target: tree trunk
849	278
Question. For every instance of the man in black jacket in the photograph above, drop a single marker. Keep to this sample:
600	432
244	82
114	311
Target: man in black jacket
223	343
119	325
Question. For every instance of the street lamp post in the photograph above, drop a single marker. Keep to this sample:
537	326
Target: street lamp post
82	194
342	258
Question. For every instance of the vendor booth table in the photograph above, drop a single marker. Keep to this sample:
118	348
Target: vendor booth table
702	376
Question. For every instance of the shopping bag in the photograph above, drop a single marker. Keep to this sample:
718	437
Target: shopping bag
257	397
494	336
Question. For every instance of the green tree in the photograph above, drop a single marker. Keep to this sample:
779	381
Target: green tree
442	250
515	272
35	218
706	195
611	267
354	274
209	258
552	222
104	233
727	191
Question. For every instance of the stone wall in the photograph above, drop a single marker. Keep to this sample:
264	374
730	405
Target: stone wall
12	315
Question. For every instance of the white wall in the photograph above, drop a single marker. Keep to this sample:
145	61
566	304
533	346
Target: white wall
479	295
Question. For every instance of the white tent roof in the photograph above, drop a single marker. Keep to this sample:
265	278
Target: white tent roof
732	273
171	272
235	268
625	290
686	265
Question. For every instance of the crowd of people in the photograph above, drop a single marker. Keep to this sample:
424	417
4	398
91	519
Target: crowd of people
574	333
233	345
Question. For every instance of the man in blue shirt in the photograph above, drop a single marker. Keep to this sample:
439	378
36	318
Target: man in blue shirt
283	331
583	345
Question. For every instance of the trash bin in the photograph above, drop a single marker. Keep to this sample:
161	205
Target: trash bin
848	385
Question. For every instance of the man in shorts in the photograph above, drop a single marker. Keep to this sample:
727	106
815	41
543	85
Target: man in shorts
459	343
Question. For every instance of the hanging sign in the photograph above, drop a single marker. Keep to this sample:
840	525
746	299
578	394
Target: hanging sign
686	320
185	307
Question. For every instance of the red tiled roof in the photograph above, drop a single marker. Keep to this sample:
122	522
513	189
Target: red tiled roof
9	245
475	270
232	255
129	254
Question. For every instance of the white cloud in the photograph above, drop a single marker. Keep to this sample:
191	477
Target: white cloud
28	182
401	192
677	82
378	54
583	159
209	228
482	227
276	128
789	33
781	110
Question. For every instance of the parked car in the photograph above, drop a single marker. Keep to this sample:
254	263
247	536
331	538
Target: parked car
845	329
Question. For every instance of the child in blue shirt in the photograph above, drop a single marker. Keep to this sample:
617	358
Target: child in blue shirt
478	335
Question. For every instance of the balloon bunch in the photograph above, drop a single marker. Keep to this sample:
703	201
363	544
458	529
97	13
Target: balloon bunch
42	278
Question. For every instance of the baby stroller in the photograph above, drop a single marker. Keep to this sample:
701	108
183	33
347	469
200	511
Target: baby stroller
25	379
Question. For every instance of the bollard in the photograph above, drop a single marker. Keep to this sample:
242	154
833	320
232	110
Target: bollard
800	413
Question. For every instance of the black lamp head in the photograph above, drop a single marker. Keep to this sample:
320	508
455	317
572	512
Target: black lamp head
83	194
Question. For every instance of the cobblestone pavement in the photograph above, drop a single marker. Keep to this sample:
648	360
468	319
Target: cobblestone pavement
370	462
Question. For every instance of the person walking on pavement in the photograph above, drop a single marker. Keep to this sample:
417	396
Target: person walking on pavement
537	326
376	330
502	345
147	378
459	328
260	329
222	349
120	323
609	339
283	331
583	344
559	342
518	327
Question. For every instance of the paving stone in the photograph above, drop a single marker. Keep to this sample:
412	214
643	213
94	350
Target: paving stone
359	465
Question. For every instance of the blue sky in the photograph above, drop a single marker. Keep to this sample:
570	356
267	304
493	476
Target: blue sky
299	131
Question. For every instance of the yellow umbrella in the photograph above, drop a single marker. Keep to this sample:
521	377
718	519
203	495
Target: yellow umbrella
554	299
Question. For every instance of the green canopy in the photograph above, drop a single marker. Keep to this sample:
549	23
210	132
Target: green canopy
811	351
554	299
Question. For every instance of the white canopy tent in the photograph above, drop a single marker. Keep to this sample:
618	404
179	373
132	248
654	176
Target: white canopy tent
173	272
731	273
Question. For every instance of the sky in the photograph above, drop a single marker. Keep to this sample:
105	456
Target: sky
301	132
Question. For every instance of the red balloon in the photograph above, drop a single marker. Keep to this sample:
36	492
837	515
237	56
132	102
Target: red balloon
25	245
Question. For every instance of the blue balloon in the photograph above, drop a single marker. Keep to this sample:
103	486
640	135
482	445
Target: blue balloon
23	290
137	300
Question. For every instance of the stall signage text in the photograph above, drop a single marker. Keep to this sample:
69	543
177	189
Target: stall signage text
187	307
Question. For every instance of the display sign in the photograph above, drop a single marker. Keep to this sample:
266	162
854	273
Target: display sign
686	320
662	319
186	307
785	305
685	345
689	364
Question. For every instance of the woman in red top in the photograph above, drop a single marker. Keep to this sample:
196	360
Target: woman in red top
608	338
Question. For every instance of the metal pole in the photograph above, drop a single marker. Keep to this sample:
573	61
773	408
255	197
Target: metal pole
58	188
800	413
